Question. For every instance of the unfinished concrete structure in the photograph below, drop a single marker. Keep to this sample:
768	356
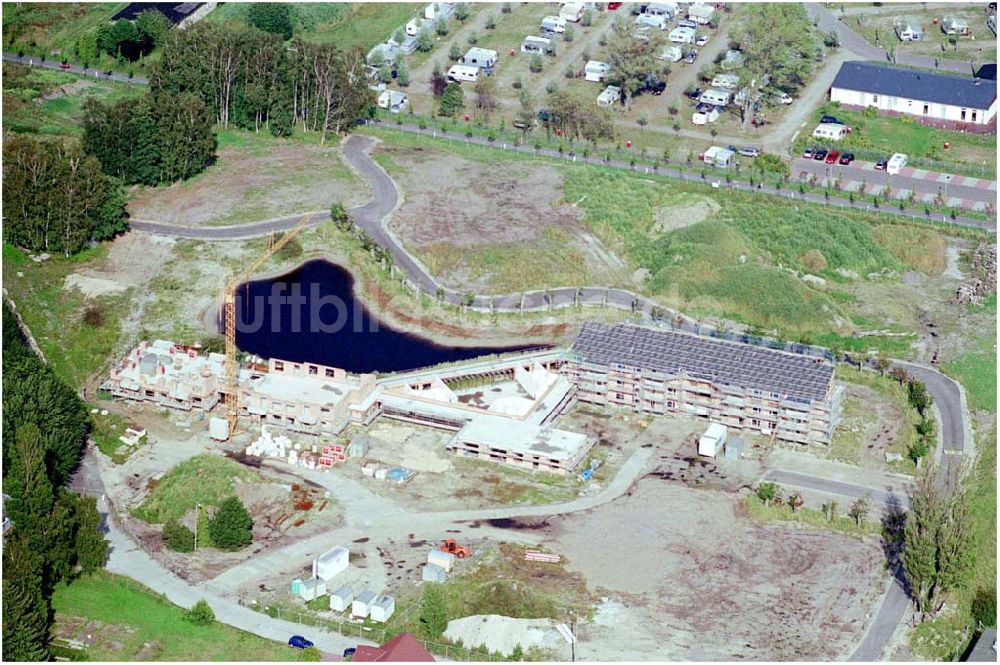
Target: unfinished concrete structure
774	393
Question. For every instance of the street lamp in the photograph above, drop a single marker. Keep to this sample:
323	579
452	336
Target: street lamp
197	518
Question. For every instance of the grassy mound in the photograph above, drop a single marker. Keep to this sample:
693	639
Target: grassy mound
205	479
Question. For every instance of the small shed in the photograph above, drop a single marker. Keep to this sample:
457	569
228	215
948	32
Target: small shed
445	560
611	95
595	70
359	446
331	563
714	438
383	608
701	14
432	573
341	599
361	606
312	589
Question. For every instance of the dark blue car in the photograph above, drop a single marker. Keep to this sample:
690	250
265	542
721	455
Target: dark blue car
299	642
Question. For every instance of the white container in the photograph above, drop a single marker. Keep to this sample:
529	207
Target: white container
383	608
312	589
445	560
341	599
218	429
712	440
362	605
895	164
331	563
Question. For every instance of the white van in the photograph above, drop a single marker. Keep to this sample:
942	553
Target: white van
830	131
571	11
554	24
896	164
460	73
716	97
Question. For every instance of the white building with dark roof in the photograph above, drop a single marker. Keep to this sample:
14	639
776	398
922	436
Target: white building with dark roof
774	393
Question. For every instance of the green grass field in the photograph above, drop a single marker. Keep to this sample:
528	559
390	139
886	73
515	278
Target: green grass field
38	27
32	103
129	622
977	372
205	479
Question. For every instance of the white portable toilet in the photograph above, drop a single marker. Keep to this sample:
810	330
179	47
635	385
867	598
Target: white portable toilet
218	429
383	608
441	559
341	599
331	563
362	605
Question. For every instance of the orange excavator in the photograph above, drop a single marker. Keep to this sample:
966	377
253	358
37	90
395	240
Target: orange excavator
451	547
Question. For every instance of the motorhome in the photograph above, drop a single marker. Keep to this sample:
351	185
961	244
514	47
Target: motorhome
830	131
596	71
462	73
554	24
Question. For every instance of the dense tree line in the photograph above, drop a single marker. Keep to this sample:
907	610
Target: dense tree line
57	198
254	80
55	533
150	140
123	38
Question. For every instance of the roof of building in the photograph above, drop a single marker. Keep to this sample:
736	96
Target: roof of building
988	72
916	84
174	11
404	648
732	363
984	649
529	439
478	53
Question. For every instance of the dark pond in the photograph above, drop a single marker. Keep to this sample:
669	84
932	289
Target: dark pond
311	315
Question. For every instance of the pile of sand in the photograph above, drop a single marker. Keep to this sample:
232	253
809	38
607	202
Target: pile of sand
93	287
688	211
503	634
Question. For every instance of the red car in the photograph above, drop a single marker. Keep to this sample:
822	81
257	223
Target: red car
64	65
613	6
832	157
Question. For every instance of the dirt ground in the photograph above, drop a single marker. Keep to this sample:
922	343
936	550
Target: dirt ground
702	583
504	231
253	184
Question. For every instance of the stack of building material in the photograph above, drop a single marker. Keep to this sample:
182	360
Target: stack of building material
399	475
331	453
341	599
268	446
373	470
383	608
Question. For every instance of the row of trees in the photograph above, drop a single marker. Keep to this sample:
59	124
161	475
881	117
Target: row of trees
55	533
57	198
152	139
254	80
124	38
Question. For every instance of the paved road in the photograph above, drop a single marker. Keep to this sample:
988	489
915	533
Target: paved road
858	45
885	498
955	189
31	61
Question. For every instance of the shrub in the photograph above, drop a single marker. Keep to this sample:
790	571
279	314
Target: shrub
93	316
491	22
310	655
568	34
200	614
814	260
473	38
231	528
535	65
984	607
178	537
454	52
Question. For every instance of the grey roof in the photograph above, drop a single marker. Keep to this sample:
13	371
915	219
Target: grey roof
916	84
744	365
984	648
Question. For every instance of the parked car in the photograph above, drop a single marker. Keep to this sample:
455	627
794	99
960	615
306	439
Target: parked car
847	158
350	651
833	157
64	65
809	152
694	94
702	40
657	88
613	6
749	152
881	164
819	155
830	119
687	23
691	56
543	115
299	642
785	98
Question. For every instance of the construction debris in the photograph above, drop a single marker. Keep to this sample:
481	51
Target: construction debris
983	281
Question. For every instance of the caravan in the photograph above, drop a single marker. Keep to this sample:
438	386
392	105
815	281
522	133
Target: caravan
571	11
554	24
830	131
716	97
532	44
896	164
682	35
658	21
672	54
462	73
596	71
666	9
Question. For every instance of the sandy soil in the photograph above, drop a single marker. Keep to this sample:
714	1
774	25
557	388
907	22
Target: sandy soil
871	424
133	259
687	212
702	583
511	208
248	185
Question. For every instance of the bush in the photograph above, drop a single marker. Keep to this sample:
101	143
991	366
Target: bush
984	607
93	316
454	52
814	260
200	614
491	22
473	38
178	537
535	65
310	655
568	34
231	528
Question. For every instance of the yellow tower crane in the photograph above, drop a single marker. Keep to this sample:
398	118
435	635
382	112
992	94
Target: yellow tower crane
232	390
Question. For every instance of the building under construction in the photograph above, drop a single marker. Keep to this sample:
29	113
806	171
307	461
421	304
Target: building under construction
774	393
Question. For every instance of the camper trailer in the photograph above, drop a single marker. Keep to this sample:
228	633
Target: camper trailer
726	81
554	24
654	21
682	35
672	54
666	9
908	29
463	73
483	58
571	11
896	164
830	131
393	101
701	14
609	96
532	44
716	97
596	71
